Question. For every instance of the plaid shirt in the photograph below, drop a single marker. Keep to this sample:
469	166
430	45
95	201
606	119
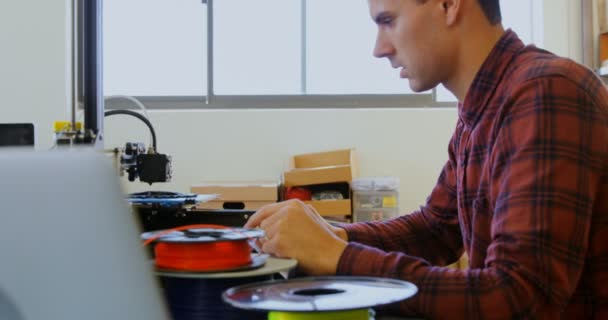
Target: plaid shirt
524	193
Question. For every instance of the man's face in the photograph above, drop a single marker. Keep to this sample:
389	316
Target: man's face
410	35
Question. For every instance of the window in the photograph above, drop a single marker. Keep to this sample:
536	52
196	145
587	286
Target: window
257	47
154	47
339	58
265	53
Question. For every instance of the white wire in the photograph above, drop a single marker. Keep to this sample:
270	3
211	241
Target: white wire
130	98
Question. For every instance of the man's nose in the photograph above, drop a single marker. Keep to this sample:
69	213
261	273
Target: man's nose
383	47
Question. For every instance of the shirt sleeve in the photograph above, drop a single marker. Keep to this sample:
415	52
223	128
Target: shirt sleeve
546	170
431	233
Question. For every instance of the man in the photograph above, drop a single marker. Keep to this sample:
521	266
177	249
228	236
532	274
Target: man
524	192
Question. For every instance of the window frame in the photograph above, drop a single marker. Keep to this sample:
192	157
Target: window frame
236	102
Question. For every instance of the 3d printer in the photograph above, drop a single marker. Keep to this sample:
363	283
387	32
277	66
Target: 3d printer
156	209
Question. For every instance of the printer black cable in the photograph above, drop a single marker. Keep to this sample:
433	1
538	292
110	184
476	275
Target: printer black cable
138	116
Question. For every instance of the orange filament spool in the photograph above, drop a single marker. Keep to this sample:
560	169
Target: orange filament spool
202	247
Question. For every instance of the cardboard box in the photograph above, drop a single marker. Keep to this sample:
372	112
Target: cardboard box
329	208
247	195
603	48
320	168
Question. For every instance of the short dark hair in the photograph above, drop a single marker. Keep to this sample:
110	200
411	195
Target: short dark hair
491	8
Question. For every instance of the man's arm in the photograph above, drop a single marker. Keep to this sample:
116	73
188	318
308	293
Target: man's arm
547	172
432	233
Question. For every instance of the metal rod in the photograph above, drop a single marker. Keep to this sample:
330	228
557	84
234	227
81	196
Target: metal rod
209	51
75	45
93	69
587	21
303	41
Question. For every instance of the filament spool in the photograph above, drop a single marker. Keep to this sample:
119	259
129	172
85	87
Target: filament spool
203	248
192	295
319	298
196	263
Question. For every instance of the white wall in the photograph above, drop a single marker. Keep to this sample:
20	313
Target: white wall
234	145
34	64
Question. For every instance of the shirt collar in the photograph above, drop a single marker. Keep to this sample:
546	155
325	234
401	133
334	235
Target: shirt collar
488	77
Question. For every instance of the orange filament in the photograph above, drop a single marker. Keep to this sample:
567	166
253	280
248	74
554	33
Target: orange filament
200	256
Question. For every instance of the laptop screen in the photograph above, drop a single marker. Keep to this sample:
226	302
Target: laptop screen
16	134
70	245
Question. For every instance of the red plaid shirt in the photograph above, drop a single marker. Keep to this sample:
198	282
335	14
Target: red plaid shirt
524	193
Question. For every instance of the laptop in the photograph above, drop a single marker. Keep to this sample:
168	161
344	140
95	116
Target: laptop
70	246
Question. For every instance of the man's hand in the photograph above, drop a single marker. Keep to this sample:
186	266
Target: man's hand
295	230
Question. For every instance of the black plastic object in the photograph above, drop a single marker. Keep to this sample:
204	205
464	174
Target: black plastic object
154	167
195	299
16	134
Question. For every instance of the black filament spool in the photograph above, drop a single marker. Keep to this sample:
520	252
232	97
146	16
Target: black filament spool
198	299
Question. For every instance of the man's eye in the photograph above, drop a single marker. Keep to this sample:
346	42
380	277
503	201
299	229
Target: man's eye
386	20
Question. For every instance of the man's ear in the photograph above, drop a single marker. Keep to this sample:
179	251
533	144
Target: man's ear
451	10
